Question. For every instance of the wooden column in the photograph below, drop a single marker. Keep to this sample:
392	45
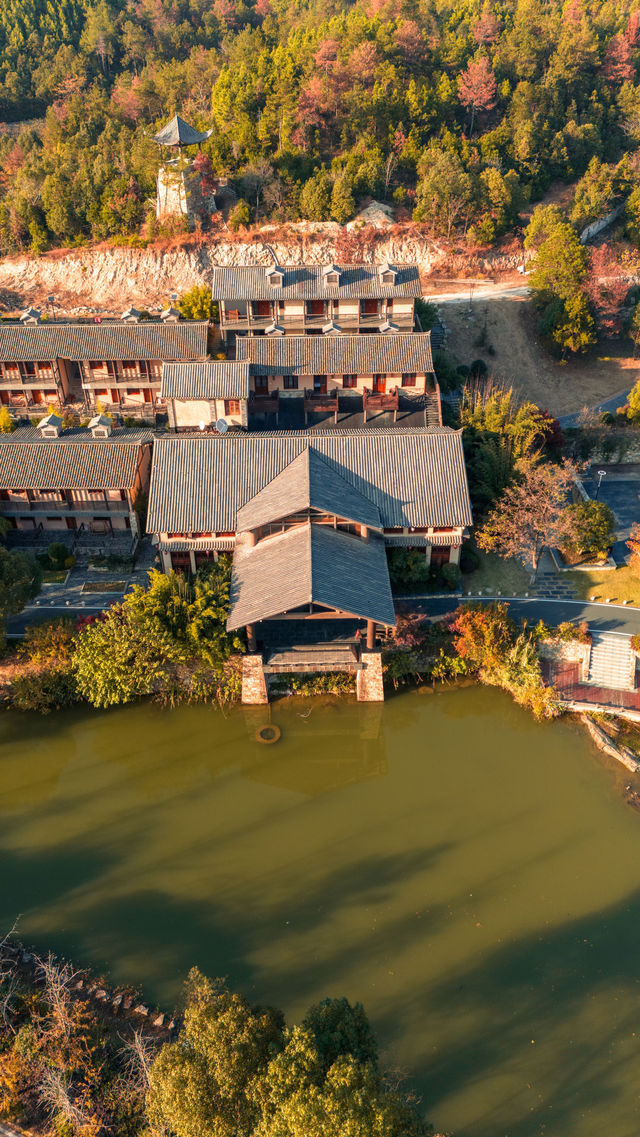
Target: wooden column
251	637
371	635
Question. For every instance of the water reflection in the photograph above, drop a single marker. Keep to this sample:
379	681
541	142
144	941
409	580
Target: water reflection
470	875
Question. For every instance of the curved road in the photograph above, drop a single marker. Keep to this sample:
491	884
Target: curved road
601	617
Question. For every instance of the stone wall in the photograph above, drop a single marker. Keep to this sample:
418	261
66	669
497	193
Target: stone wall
254	684
369	686
567	651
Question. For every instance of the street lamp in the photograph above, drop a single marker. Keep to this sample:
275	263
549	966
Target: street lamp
601	474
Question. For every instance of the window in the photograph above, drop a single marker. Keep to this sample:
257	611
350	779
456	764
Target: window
320	384
29	368
232	406
409	379
128	364
133	390
261	384
290	382
379	384
349	380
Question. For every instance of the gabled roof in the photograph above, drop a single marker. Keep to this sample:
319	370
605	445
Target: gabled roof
308	482
177	132
66	464
108	341
337	354
220	379
415	477
308	282
311	564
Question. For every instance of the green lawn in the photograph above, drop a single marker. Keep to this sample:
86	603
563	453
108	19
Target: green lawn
616	585
496	575
54	576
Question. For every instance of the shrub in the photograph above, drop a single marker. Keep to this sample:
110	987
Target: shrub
239	216
407	568
7	423
592	529
198	304
451	576
478	369
43	691
469	560
44	643
57	553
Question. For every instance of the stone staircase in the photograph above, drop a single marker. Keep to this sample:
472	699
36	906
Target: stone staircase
612	664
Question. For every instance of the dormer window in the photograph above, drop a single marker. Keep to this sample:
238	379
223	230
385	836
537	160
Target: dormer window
275	276
331	275
388	273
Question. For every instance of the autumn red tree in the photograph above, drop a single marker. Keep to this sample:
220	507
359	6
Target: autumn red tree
618	65
477	87
531	515
487	28
410	42
606	285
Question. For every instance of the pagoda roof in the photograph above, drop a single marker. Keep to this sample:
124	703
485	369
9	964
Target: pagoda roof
177	132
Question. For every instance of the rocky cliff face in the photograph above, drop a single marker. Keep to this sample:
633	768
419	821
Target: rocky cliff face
106	280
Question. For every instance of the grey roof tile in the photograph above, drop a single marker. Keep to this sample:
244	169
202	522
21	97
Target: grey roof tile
310	564
307	282
220	379
414	477
308	482
108	341
59	463
337	355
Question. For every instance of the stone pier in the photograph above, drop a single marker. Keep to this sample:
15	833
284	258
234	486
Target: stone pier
369	686
254	683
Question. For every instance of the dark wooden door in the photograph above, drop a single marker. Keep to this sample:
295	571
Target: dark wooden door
320	384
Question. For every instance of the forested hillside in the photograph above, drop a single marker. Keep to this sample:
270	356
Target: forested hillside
455	113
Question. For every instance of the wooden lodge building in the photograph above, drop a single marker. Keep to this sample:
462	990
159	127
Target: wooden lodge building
116	362
78	486
312	299
308	516
307	374
413	479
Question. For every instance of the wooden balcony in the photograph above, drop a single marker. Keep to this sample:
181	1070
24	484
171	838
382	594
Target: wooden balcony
320	401
264	404
375	401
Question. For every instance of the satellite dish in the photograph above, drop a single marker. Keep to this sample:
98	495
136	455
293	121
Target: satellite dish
222	426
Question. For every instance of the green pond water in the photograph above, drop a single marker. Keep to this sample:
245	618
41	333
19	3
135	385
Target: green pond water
471	876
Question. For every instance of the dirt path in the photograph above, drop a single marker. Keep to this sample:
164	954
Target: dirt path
500	327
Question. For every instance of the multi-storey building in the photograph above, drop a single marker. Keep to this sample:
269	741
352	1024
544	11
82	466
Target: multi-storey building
117	363
74	483
310	300
413	479
309	375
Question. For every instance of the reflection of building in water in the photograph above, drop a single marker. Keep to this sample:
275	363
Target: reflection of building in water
315	753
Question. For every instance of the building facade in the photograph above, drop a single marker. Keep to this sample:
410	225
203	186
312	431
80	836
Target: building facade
310	299
414	478
117	363
73	483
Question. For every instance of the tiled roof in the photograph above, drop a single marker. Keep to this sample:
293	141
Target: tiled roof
80	434
306	282
221	379
68	464
309	482
310	564
414	477
177	132
108	341
337	355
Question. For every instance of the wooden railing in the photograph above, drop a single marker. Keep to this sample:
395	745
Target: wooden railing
262	404
380	401
321	401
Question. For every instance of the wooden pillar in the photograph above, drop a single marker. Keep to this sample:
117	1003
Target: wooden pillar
251	538
251	637
371	635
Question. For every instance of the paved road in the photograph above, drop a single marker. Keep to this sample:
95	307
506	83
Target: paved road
37	614
610	405
602	617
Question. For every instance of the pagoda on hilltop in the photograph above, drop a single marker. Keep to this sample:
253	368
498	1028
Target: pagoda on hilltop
179	183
